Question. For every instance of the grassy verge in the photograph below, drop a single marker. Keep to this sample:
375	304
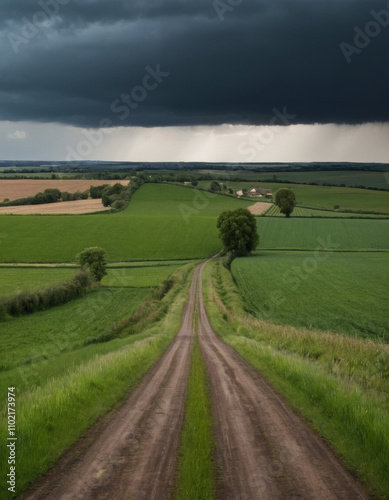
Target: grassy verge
52	416
195	477
339	384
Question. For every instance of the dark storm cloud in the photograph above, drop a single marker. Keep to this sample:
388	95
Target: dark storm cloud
165	62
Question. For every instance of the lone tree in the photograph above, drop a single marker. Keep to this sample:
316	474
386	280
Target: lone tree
215	186
238	231
94	258
285	200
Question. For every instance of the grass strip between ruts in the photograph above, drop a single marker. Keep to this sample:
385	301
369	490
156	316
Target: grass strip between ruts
195	467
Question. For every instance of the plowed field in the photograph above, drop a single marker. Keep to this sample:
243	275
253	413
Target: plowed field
22	188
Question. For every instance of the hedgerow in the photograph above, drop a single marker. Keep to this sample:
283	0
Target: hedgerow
44	298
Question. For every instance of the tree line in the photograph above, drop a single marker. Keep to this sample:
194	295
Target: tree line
48	196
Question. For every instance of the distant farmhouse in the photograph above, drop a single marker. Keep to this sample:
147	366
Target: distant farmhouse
257	192
260	192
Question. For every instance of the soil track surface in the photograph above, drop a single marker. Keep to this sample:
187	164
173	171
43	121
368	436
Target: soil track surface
263	450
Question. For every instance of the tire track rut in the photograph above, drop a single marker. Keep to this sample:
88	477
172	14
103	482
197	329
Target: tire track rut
263	449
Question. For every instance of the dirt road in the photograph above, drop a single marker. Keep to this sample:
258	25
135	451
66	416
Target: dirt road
263	450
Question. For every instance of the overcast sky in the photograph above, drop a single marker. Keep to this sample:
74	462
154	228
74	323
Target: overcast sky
209	80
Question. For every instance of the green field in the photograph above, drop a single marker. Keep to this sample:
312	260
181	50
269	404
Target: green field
342	234
340	292
348	177
15	280
161	222
324	197
138	277
47	334
274	211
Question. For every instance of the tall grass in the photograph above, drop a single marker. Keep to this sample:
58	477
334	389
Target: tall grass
339	384
51	417
195	478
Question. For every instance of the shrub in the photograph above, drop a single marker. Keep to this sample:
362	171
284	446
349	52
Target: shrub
65	196
118	204
76	196
52	195
97	191
95	258
285	200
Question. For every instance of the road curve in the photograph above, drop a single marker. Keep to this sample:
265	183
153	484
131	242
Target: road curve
134	454
263	449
